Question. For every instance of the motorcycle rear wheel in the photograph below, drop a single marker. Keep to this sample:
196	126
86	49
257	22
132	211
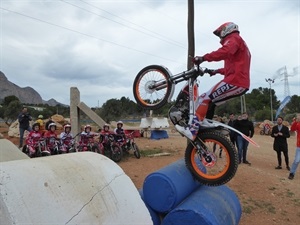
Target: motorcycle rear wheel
220	164
152	87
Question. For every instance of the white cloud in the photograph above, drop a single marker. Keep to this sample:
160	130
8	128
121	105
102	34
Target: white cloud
99	46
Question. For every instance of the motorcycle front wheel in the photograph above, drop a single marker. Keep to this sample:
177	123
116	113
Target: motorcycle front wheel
211	158
152	87
95	148
116	153
136	151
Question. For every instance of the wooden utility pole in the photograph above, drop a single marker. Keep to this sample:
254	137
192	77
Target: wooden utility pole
191	34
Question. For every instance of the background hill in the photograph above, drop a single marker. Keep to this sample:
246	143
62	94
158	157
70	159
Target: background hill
25	94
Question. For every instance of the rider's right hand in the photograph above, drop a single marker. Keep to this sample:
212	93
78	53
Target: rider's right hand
198	60
211	72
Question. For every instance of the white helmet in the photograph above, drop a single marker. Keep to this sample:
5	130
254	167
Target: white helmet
225	29
67	126
87	126
51	125
119	122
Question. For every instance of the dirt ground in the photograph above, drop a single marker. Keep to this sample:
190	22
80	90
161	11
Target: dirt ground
267	196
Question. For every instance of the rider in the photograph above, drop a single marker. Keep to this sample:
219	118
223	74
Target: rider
105	130
119	131
66	137
236	81
51	137
33	138
86	135
105	133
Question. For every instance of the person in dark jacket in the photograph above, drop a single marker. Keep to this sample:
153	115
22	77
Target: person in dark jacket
48	123
232	134
24	118
280	133
246	127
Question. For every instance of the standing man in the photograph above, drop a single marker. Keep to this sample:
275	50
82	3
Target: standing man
23	118
246	127
280	133
296	127
231	123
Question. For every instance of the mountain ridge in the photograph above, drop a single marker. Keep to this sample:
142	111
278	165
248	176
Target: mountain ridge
26	95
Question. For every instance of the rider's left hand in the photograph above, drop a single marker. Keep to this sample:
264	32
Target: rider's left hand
198	60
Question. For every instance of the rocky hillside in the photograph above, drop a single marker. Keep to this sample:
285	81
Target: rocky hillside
26	95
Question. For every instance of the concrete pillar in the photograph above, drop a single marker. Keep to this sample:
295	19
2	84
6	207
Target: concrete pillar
74	110
91	114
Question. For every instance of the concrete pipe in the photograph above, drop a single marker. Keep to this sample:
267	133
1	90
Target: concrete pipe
75	188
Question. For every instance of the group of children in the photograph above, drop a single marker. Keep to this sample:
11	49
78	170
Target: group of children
87	134
65	140
38	136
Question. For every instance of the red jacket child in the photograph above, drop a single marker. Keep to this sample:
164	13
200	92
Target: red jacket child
33	138
51	137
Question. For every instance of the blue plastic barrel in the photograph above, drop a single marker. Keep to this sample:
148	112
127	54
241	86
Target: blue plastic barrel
166	188
207	206
154	215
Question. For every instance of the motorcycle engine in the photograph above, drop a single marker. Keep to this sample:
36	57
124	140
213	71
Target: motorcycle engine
179	113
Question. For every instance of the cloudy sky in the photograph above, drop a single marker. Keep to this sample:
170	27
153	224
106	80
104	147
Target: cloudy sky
99	46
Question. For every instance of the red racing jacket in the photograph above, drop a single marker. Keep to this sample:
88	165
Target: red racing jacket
236	56
296	127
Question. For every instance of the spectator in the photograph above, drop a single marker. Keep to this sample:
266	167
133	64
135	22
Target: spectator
24	118
280	133
231	123
246	127
48	123
296	127
40	121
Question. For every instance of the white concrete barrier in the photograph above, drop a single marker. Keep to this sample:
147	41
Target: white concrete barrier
75	188
154	123
9	152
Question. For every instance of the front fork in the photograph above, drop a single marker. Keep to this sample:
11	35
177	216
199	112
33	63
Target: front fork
207	157
191	100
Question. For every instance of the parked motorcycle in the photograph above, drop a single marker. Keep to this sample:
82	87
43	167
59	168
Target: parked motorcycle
110	148
127	143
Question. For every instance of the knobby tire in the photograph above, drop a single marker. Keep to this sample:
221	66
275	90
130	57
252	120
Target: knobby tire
147	97
226	163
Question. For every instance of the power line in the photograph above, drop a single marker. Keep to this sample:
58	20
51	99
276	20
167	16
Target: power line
173	43
179	44
88	35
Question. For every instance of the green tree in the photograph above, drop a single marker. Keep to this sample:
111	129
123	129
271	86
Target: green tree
10	113
294	105
9	99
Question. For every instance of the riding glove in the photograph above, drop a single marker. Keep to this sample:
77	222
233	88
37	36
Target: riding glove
198	60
